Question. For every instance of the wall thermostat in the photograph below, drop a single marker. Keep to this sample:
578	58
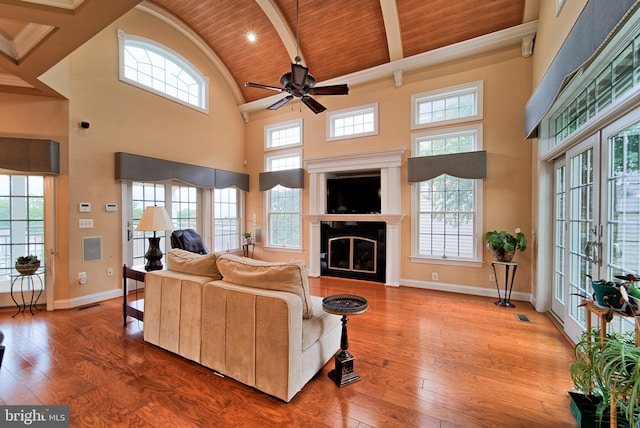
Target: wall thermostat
85	207
111	207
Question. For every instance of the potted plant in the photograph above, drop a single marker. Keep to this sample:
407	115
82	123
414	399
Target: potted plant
247	238
600	370
27	265
504	245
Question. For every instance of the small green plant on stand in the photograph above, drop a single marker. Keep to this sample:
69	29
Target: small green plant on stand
504	244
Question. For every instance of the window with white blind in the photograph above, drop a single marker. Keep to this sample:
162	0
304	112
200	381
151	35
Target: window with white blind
446	212
462	103
284	205
354	122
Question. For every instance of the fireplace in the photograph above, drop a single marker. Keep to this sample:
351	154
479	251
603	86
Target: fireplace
360	230
353	250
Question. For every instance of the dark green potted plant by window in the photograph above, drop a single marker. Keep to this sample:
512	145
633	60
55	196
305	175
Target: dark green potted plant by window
504	245
27	265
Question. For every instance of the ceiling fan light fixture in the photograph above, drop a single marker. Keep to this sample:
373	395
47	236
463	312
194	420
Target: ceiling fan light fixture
298	83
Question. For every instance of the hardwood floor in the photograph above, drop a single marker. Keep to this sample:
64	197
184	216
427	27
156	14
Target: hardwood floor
426	358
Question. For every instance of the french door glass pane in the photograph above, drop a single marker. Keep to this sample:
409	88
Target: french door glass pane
560	233
623	225
580	225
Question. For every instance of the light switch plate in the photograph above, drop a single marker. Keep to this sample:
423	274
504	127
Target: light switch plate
85	207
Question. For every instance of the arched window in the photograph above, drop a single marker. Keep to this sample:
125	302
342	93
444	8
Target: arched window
155	68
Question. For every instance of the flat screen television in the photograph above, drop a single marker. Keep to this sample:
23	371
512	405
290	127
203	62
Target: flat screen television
354	195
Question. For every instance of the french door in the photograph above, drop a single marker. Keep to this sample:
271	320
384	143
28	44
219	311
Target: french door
596	218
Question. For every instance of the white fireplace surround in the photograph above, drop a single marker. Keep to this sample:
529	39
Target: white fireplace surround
390	163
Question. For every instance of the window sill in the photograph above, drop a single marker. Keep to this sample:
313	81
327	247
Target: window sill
283	249
448	262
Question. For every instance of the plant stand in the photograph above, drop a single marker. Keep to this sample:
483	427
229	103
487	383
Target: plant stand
508	282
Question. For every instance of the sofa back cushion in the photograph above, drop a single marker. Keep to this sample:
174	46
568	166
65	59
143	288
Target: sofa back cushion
281	276
196	264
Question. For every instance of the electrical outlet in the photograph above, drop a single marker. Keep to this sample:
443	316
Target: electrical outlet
109	271
434	276
492	277
82	278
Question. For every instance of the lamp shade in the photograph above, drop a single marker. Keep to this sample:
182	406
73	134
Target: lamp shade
155	219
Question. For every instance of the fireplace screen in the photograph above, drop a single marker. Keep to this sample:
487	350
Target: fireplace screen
353	253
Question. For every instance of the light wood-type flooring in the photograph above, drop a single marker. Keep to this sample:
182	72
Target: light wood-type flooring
426	358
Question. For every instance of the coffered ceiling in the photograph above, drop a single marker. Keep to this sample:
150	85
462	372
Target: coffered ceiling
338	39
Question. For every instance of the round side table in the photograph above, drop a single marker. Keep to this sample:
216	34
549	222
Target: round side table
344	304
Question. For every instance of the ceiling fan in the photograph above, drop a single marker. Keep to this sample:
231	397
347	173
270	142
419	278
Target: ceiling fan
299	83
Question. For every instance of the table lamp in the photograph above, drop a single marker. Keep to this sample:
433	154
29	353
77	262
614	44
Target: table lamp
154	219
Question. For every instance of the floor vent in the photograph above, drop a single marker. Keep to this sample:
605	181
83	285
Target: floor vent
523	318
89	306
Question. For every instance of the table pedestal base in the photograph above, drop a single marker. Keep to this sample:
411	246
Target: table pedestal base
343	374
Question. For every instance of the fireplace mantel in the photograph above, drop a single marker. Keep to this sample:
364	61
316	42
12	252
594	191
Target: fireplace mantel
387	218
389	162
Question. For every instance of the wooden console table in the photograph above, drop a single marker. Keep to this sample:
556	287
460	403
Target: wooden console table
134	309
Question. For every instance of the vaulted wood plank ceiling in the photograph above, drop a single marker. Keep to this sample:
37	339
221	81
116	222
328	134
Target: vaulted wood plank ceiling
336	37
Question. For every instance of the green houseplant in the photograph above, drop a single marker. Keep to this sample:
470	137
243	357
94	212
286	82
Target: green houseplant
27	265
247	238
601	370
504	245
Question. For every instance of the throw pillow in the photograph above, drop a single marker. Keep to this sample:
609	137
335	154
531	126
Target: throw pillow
290	276
196	264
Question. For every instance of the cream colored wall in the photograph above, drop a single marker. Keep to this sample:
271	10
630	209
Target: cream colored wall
125	118
552	30
507	198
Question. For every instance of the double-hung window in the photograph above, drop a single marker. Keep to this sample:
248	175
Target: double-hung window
283	204
446	209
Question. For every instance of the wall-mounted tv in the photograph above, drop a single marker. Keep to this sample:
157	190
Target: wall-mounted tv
354	194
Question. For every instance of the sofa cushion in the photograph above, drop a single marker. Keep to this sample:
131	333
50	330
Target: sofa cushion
318	325
187	262
282	276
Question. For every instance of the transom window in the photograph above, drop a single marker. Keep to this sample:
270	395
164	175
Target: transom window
285	134
446	106
153	67
446	210
226	219
355	122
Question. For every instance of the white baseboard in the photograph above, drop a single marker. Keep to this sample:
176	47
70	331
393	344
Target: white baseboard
465	289
87	300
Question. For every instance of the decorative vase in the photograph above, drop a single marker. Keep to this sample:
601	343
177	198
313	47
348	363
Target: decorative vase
248	241
503	256
29	269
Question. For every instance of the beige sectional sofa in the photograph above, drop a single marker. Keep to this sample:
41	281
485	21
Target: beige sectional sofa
251	320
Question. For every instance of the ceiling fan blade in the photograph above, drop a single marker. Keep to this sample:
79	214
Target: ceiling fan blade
315	106
329	90
259	86
277	105
299	75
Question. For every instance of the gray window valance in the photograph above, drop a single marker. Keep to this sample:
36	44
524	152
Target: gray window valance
30	155
461	165
224	179
291	178
592	28
131	167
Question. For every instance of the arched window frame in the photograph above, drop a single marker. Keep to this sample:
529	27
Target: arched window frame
150	45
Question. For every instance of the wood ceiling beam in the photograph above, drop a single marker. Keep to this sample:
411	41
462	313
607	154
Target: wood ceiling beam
392	29
277	19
